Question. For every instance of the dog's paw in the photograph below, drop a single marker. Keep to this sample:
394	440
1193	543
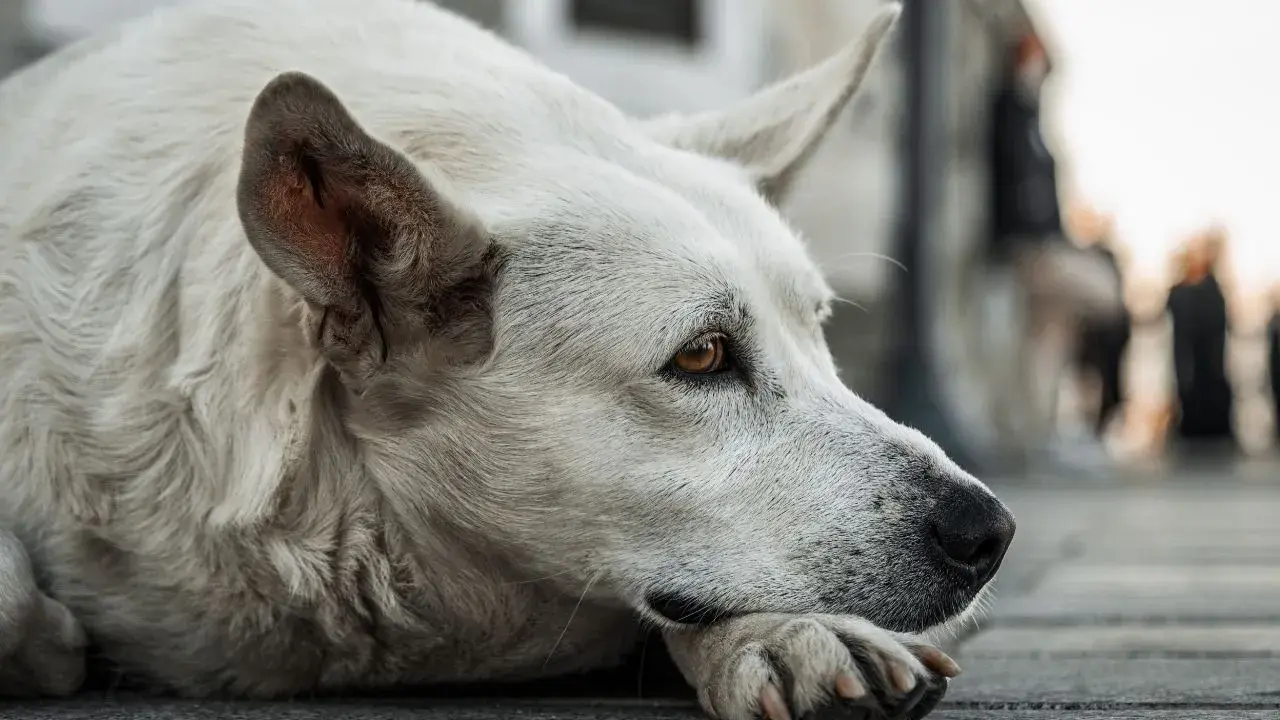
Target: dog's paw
49	659
791	667
42	645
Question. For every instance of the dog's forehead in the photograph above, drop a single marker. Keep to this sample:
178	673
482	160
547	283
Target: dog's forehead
660	216
725	197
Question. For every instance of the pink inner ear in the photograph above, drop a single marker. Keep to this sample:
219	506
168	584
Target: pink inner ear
313	227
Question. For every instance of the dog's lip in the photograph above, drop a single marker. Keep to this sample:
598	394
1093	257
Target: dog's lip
680	609
685	609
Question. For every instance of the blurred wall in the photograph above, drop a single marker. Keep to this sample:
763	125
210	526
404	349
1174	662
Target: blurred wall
975	364
845	203
12	34
63	20
490	13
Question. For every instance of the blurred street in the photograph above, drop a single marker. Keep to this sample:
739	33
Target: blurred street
1155	597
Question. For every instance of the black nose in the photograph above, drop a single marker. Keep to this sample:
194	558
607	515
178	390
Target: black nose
973	530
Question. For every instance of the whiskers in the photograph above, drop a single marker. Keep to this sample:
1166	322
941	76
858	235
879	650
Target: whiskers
847	301
590	581
530	581
968	621
982	605
839	262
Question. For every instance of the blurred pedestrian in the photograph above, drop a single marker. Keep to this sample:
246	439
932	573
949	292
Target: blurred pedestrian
1198	310
1273	358
1104	339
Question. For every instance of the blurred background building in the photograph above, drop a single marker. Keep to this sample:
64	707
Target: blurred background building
1008	289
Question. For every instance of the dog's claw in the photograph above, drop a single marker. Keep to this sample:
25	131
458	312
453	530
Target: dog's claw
929	699
849	687
772	705
903	680
938	661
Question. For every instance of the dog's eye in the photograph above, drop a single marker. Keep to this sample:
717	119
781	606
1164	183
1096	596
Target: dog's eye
703	356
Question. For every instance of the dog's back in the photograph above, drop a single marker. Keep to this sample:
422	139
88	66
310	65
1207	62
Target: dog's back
111	211
143	343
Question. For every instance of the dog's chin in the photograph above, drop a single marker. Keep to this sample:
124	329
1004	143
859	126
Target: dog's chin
938	612
681	610
685	611
914	623
970	616
942	611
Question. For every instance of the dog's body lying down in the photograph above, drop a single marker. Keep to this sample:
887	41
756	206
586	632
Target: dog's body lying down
288	408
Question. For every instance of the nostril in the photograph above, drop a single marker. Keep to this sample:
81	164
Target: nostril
974	541
989	549
959	547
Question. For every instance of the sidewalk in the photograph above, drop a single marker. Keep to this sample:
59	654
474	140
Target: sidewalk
1142	598
1125	599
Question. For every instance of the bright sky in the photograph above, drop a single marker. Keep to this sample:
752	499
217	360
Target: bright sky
1167	113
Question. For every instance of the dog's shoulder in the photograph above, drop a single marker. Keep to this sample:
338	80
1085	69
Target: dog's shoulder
158	414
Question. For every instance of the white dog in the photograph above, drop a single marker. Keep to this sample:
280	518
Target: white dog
343	345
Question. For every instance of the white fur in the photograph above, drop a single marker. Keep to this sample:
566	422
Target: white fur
232	500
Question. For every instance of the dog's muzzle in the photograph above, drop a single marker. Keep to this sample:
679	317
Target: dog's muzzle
960	543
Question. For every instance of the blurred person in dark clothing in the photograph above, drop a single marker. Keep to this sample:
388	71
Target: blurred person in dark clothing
1273	357
1104	338
1198	310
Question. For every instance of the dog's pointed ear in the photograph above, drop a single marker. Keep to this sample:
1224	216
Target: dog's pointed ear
350	223
774	131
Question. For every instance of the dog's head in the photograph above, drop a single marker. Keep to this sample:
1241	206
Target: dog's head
599	354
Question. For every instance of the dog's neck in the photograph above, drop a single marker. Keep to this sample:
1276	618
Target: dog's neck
312	474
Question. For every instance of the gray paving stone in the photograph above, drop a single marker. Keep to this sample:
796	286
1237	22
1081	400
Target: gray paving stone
1118	712
1047	534
1208	641
1162	524
1154	532
1201	549
1214	682
152	710
149	709
1077	609
1152	512
1221	580
1092	592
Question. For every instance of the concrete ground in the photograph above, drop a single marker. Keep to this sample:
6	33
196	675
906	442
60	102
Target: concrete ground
1155	595
1149	596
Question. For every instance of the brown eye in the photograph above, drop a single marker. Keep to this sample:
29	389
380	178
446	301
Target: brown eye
703	356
